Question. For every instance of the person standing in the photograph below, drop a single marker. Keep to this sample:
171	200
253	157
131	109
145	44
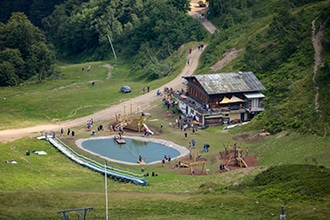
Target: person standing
69	131
148	88
190	50
193	142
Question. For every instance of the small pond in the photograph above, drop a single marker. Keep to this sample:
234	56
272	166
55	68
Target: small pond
152	150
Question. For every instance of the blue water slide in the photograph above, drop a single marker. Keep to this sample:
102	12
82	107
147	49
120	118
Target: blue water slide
111	171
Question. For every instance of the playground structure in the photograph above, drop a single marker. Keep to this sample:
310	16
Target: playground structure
234	157
132	120
197	167
192	167
203	163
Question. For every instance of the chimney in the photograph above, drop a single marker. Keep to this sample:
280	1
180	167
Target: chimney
240	74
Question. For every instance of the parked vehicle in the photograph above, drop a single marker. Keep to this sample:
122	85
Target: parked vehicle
125	89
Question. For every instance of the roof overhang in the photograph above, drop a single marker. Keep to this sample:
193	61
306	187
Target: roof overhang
213	116
254	95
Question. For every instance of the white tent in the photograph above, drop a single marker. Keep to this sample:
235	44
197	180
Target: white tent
235	99
225	100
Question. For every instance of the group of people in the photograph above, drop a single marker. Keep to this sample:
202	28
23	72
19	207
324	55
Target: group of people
120	133
140	160
68	132
144	90
146	132
202	17
166	158
90	123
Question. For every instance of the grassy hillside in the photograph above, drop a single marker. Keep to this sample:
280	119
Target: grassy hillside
276	39
52	182
293	167
31	104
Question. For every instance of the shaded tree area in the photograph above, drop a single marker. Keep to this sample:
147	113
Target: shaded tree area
36	10
23	52
143	31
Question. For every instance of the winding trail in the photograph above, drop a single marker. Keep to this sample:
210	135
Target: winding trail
143	101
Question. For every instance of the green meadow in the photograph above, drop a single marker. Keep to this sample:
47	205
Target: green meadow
38	186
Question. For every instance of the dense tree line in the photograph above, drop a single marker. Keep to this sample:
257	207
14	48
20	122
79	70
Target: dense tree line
23	52
36	10
84	28
144	31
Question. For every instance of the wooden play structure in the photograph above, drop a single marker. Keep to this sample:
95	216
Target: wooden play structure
203	163
132	120
236	157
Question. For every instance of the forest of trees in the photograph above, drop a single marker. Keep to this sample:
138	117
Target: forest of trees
143	31
23	52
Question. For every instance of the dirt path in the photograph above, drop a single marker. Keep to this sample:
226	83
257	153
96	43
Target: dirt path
318	60
196	11
228	56
109	113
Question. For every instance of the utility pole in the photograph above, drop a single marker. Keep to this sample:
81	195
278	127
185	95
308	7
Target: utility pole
113	50
106	191
282	215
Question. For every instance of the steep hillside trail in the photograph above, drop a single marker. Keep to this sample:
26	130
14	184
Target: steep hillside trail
144	101
317	37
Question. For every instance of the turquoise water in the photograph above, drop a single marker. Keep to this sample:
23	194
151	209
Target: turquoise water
150	152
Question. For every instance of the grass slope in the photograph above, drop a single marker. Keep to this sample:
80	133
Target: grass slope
38	186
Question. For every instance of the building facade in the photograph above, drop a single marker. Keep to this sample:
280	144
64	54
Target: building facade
216	98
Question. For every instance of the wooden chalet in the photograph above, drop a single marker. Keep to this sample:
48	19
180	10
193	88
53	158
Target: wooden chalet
217	98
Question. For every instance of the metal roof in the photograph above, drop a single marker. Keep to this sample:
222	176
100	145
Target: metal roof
223	83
